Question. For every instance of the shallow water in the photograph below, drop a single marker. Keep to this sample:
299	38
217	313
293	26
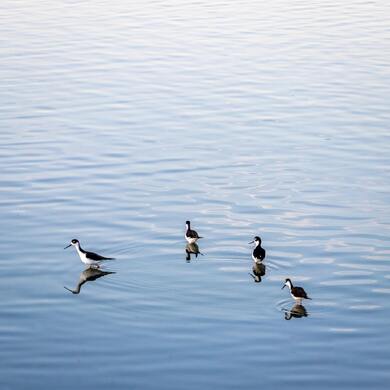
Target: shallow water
121	121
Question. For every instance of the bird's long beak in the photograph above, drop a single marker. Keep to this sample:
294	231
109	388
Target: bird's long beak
251	242
68	246
283	286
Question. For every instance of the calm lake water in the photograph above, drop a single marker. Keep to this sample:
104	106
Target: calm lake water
120	120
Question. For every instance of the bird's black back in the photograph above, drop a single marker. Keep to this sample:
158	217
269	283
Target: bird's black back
299	292
192	234
259	253
96	257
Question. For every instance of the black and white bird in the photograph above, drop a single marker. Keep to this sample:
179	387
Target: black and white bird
298	293
258	253
191	235
88	258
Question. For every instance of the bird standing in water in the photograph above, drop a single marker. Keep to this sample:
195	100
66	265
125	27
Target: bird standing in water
298	293
191	235
88	258
258	253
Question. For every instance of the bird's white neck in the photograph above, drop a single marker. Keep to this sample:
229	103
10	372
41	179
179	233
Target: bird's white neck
288	284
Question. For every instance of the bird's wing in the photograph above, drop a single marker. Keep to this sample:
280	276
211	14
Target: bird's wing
96	257
259	253
192	234
300	292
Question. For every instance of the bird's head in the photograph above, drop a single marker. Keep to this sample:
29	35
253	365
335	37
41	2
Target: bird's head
256	240
287	283
74	242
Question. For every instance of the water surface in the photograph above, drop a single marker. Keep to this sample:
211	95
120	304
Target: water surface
121	121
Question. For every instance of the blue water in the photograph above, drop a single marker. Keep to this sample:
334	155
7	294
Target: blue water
121	121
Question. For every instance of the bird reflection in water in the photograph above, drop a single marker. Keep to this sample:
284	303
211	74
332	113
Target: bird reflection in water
192	249
88	275
297	311
258	270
